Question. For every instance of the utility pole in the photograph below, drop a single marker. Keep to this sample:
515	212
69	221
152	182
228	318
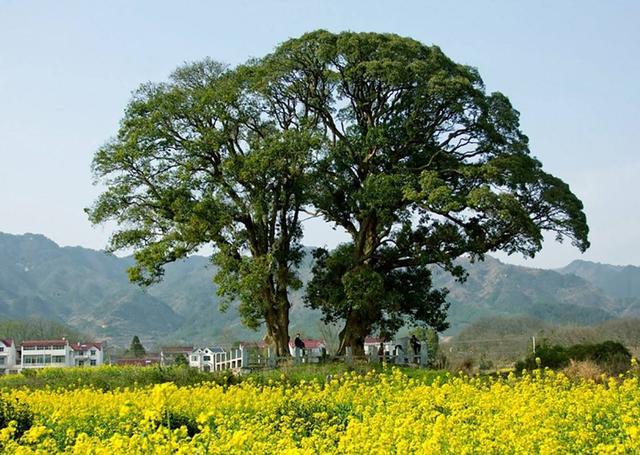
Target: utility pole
533	339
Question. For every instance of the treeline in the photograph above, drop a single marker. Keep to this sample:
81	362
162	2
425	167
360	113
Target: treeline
39	329
625	331
502	340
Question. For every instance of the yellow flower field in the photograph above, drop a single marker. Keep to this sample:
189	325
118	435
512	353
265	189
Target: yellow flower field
374	413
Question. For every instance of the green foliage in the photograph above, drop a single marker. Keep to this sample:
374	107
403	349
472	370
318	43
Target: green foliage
172	420
109	377
136	350
380	135
420	166
212	158
181	360
430	341
16	412
39	329
609	355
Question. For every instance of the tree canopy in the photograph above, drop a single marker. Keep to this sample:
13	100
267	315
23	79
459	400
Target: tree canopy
136	350
206	159
420	166
380	135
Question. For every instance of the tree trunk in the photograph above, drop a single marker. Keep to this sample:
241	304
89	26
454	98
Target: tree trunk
282	341
353	334
277	320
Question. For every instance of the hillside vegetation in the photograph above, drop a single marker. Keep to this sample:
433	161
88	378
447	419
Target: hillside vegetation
89	291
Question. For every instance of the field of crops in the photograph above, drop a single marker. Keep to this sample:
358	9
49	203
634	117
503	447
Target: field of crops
372	413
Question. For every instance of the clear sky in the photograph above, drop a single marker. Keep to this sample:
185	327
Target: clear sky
67	69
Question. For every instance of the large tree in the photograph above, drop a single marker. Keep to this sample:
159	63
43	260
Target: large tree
420	166
208	159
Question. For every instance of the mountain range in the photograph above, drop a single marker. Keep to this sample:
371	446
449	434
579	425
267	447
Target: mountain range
89	291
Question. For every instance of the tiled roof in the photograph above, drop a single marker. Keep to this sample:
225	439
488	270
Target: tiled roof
7	342
85	346
44	343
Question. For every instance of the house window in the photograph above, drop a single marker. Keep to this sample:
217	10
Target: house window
2	359
1	348
57	359
194	358
93	352
93	362
206	358
33	359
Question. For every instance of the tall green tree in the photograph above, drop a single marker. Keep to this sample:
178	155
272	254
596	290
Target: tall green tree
209	159
420	165
136	349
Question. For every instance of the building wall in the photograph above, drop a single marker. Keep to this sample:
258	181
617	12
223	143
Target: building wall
8	357
91	356
46	356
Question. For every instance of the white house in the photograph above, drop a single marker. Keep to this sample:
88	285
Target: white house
46	353
87	354
205	359
60	353
8	357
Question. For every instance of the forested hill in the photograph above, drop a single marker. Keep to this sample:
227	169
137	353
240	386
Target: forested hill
89	291
615	280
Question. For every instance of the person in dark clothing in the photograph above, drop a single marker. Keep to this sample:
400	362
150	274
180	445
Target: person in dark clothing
298	343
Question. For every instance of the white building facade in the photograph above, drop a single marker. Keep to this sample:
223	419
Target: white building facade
8	357
46	353
87	354
33	354
205	359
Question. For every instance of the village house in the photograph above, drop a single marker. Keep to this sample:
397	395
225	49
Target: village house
90	354
46	353
32	354
205	359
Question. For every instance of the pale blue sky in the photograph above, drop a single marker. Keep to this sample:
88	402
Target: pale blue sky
67	69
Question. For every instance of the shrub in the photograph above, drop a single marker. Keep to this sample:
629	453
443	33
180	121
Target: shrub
611	356
551	356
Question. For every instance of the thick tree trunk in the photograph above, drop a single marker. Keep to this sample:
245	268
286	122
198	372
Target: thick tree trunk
277	320
282	341
353	334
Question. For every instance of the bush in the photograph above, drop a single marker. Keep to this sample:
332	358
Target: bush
551	356
15	411
611	356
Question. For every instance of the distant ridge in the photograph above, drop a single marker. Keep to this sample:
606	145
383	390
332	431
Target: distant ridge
616	280
89	290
